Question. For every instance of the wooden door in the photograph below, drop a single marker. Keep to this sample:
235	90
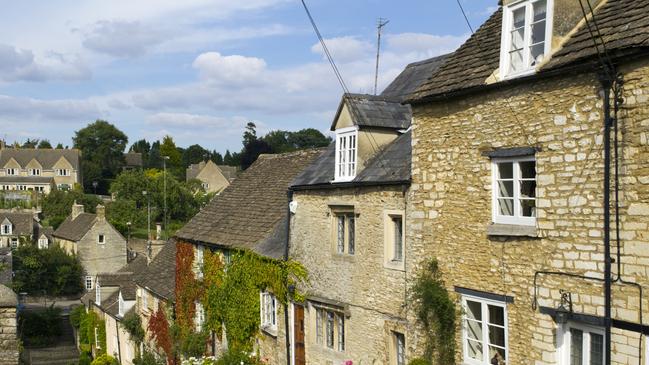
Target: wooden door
298	333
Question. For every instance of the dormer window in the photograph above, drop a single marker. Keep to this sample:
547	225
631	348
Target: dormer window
525	36
34	172
12	172
346	147
6	228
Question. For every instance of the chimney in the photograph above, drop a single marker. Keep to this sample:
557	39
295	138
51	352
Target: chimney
76	210
101	212
158	231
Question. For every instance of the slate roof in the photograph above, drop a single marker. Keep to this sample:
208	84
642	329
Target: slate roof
230	172
624	26
133	159
375	111
391	165
251	212
47	231
23	222
413	76
27	179
45	156
160	276
75	229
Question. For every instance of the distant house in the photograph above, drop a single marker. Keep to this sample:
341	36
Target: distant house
100	247
26	169
133	161
18	227
213	177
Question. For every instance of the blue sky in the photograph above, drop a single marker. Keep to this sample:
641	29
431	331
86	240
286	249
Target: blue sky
199	70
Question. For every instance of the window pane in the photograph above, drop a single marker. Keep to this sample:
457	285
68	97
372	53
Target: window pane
506	189
540	8
352	228
496	315
341	333
505	170
516	61
330	329
538	32
341	233
528	169
474	310
474	349
318	326
576	347
474	330
528	207
536	54
519	17
596	349
497	336
518	40
401	348
496	355
398	244
528	189
506	206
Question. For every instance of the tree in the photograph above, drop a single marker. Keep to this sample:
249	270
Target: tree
174	163
143	147
252	146
30	143
278	141
308	138
194	154
155	158
59	146
51	270
216	158
44	144
102	146
57	205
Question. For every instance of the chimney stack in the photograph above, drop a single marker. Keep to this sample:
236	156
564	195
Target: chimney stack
101	212
76	210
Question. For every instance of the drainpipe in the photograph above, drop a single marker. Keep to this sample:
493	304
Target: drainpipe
606	85
119	347
289	195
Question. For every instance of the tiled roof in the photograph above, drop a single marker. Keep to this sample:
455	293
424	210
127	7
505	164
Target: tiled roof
249	213
133	159
23	222
413	76
45	156
160	276
390	165
375	111
74	230
624	26
27	179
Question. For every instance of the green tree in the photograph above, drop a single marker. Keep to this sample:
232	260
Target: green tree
143	147
217	158
102	146
51	270
57	205
278	141
194	154
59	146
30	143
174	162
252	146
155	158
44	144
308	138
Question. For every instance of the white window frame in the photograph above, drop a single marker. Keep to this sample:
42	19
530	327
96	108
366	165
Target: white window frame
14	242
101	239
205	185
120	305
34	172
517	218
7	229
62	172
98	293
43	243
145	300
508	18
11	171
268	311
199	260
89	282
485	329
199	316
564	341
346	158
97	344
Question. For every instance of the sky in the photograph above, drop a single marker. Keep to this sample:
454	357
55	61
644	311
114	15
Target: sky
199	70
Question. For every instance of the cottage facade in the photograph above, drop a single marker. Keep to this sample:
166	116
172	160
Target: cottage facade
214	178
508	184
41	170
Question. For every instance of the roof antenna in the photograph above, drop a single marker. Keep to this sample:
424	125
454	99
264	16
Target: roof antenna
379	26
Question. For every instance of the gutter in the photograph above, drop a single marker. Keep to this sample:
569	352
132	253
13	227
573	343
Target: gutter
350	184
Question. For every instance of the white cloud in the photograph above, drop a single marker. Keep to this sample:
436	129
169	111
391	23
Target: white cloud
344	49
188	120
120	38
234	69
426	45
61	110
23	65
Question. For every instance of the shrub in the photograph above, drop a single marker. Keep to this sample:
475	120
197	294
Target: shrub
85	358
419	361
76	314
148	358
133	325
51	271
40	328
105	360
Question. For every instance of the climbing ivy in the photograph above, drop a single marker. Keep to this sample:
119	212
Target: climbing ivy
435	311
188	289
159	329
88	321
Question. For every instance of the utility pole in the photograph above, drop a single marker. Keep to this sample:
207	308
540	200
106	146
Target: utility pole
379	26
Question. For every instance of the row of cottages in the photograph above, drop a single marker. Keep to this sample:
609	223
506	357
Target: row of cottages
23	227
214	178
508	189
101	248
27	169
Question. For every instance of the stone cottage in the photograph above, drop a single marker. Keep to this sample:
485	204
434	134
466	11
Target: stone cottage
250	216
25	169
18	227
214	178
100	247
508	166
348	229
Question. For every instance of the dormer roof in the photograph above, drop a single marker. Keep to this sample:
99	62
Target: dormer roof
46	157
23	223
374	111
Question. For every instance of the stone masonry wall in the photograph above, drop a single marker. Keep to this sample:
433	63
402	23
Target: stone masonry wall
105	258
8	337
372	294
450	202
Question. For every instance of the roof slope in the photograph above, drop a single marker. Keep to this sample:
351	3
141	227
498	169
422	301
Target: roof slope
376	111
413	76
248	213
45	156
27	179
133	159
160	276
75	229
23	223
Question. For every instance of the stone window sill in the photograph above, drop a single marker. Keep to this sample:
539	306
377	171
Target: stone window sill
511	230
270	330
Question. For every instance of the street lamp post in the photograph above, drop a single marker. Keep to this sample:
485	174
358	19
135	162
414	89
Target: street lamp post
164	182
94	186
148	223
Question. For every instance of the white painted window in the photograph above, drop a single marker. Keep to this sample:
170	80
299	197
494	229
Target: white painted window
98	294
514	191
345	232
199	316
526	36
6	187
14	242
88	282
330	329
156	303
345	160
12	171
268	305
43	243
205	185
62	172
120	305
484	331
199	260
21	187
581	345
399	348
7	229
101	239
97	343
34	172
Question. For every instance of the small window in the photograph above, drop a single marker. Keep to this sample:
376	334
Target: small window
268	305
199	253
62	172
14	242
484	331
98	294
43	243
88	282
12	171
583	345
156	303
145	300
120	306
345	232
101	239
525	40
205	185
345	160
7	229
330	329
399	342
199	316
97	343
34	172
514	191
